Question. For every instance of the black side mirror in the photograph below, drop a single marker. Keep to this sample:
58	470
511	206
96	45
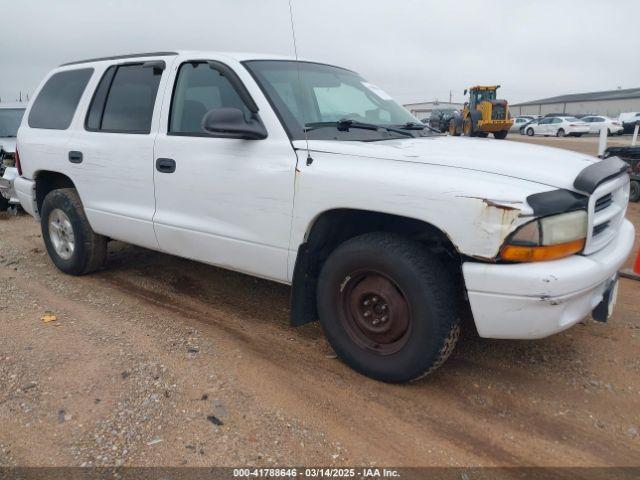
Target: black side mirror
465	91
230	123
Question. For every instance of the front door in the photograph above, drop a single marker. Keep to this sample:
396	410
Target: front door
222	201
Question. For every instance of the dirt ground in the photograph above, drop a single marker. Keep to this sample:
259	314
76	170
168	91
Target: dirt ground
158	360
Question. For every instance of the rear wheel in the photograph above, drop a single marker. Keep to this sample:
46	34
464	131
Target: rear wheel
530	132
4	203
388	307
500	135
71	243
634	191
560	133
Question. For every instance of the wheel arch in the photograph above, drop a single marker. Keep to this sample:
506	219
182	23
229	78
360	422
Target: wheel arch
330	228
47	181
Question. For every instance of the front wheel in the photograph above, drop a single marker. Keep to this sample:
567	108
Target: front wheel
634	191
388	307
453	129
500	135
71	243
530	132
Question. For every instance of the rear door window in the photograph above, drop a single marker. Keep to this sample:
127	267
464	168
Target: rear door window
58	99
125	98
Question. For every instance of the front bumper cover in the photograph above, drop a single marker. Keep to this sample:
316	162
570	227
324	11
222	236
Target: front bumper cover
535	300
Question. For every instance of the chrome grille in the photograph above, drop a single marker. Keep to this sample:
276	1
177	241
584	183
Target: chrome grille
607	207
604	202
600	228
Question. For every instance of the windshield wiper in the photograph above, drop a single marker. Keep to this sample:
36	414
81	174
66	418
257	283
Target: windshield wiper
413	126
345	124
418	126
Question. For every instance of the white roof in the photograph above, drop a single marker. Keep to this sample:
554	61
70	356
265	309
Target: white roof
238	56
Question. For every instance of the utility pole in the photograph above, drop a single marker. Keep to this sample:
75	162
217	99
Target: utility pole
450	96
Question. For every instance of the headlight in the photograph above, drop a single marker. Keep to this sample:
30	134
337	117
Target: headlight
547	238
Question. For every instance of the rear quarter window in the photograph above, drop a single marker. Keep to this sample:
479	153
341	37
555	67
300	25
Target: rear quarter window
58	99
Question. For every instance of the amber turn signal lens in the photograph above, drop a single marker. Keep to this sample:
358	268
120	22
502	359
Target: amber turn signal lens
518	253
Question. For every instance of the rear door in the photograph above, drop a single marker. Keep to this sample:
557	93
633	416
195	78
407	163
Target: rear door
225	201
113	170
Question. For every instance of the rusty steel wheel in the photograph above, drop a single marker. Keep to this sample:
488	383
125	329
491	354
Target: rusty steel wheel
375	312
388	306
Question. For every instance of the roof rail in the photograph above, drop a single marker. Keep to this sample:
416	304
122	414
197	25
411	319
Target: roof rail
122	57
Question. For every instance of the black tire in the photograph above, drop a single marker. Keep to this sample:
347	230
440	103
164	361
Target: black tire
4	203
90	249
560	133
634	191
578	135
428	304
530	132
483	134
501	135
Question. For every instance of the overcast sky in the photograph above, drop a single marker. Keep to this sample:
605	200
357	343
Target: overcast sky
415	50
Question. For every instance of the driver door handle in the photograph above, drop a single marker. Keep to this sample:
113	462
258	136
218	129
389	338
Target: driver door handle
166	165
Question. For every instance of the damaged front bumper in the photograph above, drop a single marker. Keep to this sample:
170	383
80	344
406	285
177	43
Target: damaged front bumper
535	300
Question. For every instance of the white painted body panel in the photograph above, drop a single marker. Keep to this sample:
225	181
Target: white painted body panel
229	202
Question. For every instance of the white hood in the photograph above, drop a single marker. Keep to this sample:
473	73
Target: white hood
8	144
554	167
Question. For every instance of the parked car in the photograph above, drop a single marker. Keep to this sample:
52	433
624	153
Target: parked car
558	126
597	122
629	120
10	118
386	231
523	128
441	117
518	123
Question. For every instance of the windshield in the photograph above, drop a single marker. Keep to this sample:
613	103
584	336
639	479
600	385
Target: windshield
481	95
308	94
10	119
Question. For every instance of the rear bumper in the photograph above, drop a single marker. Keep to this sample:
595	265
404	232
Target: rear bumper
535	300
25	190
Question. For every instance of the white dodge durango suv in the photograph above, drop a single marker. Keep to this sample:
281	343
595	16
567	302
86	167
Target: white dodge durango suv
307	174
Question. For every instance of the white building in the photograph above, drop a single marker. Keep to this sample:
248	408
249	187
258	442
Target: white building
422	110
610	103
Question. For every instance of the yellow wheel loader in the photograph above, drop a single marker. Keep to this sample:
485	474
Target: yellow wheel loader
482	114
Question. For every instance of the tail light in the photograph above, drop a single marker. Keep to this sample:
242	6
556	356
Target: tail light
17	159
